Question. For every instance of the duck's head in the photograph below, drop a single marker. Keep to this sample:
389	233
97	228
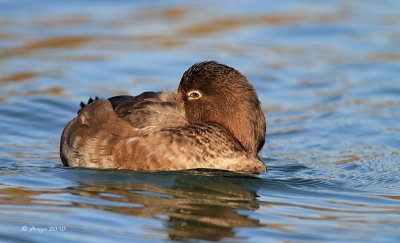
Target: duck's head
213	92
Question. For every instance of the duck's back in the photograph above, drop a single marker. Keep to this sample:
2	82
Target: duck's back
149	109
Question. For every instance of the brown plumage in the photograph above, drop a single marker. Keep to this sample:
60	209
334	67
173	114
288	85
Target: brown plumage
214	121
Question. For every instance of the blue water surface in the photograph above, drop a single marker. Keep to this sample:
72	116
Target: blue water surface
327	74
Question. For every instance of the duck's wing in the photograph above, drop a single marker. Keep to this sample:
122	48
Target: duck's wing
147	109
150	109
99	138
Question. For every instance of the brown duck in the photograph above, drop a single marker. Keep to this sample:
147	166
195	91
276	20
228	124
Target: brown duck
214	121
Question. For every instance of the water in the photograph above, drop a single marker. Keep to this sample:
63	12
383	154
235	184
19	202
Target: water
327	73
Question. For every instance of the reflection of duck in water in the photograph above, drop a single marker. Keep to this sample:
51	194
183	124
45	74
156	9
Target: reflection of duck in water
215	121
185	206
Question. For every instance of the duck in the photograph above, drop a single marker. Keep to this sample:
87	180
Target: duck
213	121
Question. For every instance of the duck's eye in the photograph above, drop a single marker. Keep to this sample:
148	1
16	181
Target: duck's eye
193	95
